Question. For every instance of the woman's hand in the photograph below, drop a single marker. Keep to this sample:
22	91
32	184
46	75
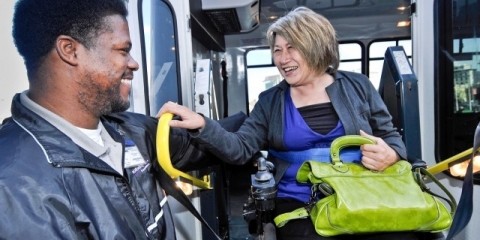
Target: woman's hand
377	156
189	118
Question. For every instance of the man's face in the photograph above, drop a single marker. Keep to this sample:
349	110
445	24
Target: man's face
107	69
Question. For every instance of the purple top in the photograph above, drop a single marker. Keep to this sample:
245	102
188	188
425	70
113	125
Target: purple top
305	144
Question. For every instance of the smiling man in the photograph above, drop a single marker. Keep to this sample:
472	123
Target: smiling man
73	164
95	72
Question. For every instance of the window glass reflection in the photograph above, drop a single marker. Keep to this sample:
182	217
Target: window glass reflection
161	54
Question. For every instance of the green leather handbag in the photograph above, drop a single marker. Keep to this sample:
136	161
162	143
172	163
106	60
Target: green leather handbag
359	200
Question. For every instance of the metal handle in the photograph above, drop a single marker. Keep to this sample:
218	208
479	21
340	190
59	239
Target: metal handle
346	141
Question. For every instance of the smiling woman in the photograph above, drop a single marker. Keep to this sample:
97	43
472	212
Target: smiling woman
304	113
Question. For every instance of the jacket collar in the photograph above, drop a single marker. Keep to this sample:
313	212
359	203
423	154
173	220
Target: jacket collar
58	148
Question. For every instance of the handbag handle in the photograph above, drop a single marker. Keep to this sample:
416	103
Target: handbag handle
346	141
420	174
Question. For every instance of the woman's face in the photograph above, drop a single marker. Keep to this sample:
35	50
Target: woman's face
290	63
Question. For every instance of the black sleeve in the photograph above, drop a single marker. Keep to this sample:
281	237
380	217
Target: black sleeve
187	154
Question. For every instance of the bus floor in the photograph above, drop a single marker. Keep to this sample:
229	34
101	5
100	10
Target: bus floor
238	226
239	187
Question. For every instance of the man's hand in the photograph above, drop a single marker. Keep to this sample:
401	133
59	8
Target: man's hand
377	156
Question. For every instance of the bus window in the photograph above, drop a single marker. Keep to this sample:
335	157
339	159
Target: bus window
457	76
350	57
261	74
161	55
407	47
376	56
466	85
259	57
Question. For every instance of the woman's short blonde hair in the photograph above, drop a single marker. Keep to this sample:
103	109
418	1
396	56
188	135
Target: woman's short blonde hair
311	34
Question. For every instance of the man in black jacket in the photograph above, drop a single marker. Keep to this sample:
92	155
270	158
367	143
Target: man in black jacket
69	168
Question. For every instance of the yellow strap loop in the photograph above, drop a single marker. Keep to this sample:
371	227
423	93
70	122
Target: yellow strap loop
447	163
163	154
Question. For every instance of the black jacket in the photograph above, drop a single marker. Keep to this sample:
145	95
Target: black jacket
356	101
50	188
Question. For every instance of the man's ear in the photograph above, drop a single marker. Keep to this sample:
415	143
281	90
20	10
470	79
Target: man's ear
66	48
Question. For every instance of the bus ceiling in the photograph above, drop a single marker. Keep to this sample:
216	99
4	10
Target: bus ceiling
243	23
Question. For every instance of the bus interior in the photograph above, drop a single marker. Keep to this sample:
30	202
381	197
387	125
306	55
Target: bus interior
212	56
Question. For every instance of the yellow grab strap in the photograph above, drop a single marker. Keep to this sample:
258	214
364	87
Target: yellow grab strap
447	163
163	154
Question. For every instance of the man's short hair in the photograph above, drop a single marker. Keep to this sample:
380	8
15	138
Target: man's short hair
38	23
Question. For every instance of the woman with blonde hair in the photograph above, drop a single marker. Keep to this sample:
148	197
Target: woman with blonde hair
298	119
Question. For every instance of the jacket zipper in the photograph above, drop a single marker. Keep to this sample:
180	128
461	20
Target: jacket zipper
127	193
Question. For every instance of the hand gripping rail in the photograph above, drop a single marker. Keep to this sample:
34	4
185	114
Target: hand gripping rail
163	154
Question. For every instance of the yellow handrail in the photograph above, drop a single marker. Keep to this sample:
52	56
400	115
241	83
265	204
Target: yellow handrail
447	163
163	154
